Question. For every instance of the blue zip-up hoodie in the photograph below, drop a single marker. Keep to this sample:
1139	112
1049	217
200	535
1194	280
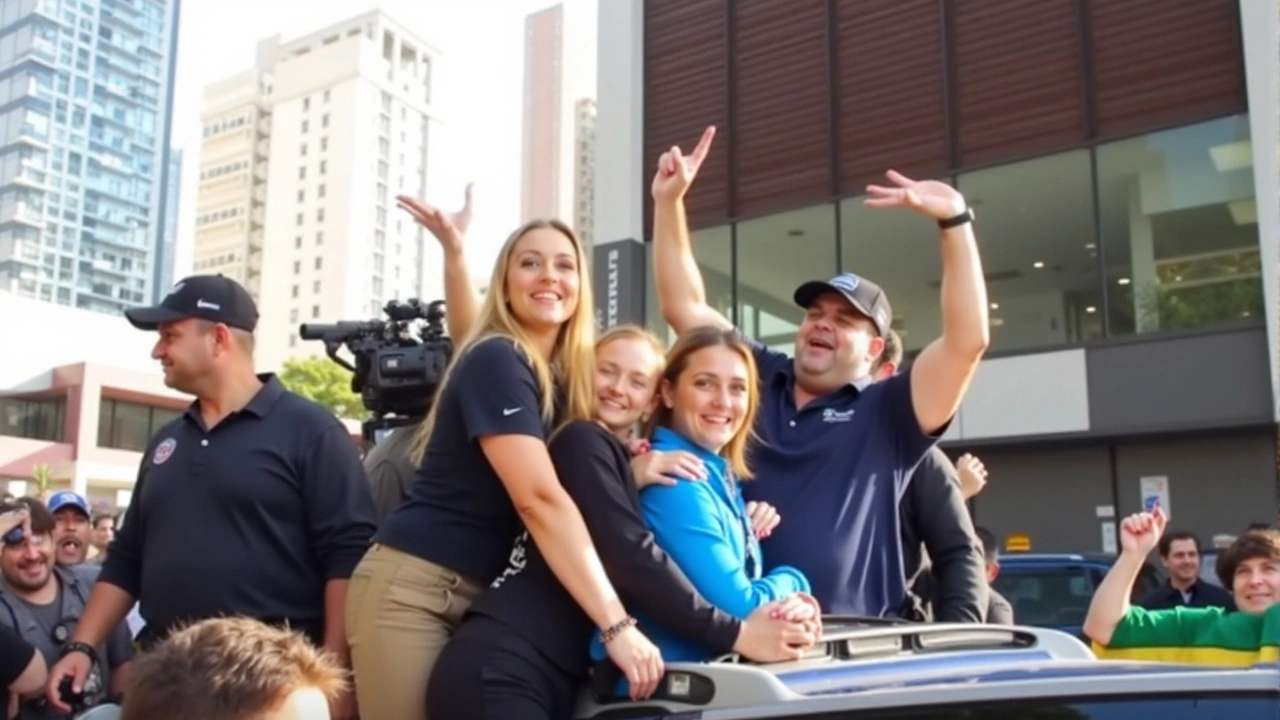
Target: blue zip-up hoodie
704	527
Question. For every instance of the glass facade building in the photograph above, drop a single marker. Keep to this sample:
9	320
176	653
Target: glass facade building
86	93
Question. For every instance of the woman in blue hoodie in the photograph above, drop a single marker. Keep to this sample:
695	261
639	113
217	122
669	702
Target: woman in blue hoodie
707	405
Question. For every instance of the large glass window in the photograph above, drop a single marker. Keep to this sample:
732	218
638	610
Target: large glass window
1180	228
1039	250
775	255
713	251
129	426
898	250
34	419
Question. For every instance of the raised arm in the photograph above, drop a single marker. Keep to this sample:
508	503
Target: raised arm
1139	535
461	301
941	373
682	296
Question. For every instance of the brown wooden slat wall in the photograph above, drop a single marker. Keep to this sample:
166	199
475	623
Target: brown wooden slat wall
1161	62
1018	78
892	101
1020	85
686	89
782	119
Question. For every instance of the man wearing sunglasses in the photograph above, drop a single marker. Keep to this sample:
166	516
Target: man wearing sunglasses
43	601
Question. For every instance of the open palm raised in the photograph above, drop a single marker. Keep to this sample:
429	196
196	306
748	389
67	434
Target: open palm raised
448	228
936	199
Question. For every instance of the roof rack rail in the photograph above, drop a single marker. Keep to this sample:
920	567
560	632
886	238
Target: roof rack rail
730	681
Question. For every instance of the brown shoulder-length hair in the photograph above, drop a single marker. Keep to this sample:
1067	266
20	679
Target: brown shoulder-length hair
1252	545
735	451
572	364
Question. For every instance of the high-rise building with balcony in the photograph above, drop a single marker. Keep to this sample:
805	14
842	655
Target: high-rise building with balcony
584	170
86	95
348	113
559	72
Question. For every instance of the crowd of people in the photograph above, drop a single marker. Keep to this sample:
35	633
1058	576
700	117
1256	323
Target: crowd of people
577	509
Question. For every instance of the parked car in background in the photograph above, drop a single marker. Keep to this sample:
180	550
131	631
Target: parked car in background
1054	590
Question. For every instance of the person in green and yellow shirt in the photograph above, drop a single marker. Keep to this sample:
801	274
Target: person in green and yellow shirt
1249	568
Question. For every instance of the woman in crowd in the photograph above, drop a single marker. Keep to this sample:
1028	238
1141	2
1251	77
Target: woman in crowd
522	651
1249	568
484	472
707	404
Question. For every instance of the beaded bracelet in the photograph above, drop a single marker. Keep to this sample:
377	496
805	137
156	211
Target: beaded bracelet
608	634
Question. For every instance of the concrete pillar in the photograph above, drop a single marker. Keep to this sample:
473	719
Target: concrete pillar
1260	21
619	257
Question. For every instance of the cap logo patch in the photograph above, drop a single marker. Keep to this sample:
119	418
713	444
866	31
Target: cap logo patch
847	282
206	305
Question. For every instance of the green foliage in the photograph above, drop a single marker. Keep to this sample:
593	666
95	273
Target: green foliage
323	381
43	478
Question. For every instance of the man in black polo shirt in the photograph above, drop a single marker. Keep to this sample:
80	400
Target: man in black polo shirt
1180	554
837	447
253	502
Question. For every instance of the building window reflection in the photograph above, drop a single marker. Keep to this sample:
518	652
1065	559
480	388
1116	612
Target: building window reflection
713	252
129	426
775	255
1180	228
897	250
1039	250
34	419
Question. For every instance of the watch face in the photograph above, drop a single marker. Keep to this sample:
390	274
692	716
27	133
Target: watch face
94	691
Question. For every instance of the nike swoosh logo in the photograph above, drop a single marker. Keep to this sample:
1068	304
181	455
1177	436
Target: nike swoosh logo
510	411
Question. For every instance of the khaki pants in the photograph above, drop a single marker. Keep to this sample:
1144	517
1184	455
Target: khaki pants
401	611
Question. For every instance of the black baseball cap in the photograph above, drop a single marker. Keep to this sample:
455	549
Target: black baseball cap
208	297
865	296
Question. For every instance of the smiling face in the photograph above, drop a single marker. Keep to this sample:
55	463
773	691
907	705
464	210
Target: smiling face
626	381
835	344
542	279
71	536
710	399
1256	584
28	565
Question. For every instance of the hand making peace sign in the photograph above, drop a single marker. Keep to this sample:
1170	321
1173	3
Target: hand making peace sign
676	171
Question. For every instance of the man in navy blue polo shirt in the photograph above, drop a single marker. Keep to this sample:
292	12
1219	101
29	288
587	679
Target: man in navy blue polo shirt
837	448
253	502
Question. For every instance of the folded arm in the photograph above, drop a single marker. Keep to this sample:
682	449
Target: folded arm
684	521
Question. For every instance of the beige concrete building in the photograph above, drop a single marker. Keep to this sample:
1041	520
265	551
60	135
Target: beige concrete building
343	123
559	72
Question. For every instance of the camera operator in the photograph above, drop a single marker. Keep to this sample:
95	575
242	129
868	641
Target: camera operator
390	470
43	602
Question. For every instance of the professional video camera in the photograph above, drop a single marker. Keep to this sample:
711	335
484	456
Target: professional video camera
394	372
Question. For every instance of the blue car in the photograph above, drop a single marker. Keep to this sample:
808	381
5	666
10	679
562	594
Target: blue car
1054	590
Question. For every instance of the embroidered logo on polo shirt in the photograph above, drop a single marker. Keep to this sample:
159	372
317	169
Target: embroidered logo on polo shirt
515	562
164	451
831	415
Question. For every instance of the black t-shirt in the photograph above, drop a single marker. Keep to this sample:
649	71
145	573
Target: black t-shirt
595	469
458	513
15	656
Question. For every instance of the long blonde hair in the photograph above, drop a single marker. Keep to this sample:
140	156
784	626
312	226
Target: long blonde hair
735	451
572	363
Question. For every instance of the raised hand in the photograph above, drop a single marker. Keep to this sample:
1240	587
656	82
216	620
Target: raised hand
1140	532
936	199
448	228
676	171
972	474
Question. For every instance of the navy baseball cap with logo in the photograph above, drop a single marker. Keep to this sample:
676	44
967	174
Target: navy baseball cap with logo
865	296
68	498
208	297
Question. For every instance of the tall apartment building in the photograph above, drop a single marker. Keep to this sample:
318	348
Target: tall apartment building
86	95
584	170
559	71
169	243
325	131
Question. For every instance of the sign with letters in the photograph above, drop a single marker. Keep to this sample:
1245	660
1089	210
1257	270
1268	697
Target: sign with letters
618	282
